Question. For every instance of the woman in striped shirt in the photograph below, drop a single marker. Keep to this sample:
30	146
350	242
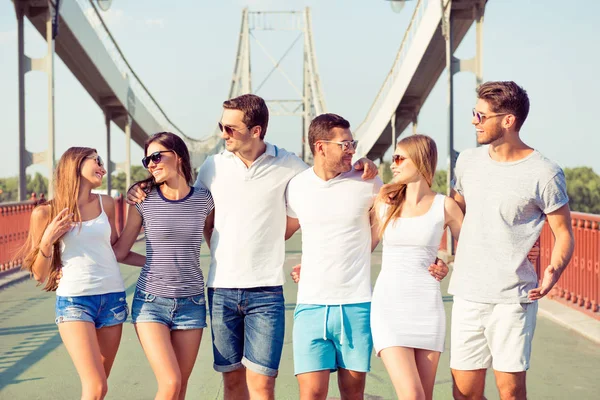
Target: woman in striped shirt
168	310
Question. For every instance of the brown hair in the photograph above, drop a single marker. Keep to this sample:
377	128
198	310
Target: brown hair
321	128
422	150
506	97
255	111
67	179
170	141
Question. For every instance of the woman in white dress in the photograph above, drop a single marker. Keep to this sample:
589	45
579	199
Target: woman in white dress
408	321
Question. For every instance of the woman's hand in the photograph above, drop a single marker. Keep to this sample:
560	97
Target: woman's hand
60	225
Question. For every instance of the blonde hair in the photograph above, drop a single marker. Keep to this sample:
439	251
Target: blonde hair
67	179
422	150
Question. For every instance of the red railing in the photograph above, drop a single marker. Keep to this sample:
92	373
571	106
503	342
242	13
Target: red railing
14	227
579	284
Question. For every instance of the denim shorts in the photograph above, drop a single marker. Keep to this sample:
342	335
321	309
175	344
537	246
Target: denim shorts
176	313
102	309
248	327
332	337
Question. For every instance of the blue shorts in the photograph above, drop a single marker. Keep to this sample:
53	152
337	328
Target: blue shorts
176	313
248	327
102	309
332	337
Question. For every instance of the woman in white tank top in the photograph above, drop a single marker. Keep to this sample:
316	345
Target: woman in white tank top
407	313
73	235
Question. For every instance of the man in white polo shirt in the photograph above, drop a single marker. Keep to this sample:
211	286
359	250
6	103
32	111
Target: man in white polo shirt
245	294
332	319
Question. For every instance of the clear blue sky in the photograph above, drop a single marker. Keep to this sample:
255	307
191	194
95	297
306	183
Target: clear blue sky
184	53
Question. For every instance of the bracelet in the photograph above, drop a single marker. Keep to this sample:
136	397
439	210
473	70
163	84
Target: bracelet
43	255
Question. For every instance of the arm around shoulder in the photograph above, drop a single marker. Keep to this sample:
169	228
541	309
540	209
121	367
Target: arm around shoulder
132	228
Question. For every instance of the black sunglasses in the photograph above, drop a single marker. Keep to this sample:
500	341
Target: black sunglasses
155	157
229	129
98	160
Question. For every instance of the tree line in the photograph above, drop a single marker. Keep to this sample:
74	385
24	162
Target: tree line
583	185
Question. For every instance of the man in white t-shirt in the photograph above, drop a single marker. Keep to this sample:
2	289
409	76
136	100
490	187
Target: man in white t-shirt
332	319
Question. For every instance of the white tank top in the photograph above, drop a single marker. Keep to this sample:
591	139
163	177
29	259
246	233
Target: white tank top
89	265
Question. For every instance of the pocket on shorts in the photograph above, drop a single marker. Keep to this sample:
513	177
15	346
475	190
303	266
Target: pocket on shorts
120	312
198	300
145	297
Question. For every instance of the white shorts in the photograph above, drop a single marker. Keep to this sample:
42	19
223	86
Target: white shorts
491	335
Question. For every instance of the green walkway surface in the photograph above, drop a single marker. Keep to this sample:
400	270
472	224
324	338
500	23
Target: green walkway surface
35	365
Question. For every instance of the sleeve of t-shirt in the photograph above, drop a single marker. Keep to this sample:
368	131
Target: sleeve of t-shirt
554	195
377	184
140	208
205	174
458	174
210	204
289	210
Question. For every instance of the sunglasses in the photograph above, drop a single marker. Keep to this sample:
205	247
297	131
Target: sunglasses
397	159
155	157
228	129
346	146
98	160
481	117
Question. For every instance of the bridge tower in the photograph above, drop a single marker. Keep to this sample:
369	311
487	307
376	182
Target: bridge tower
309	101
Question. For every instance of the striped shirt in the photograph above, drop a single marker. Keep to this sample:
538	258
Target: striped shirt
174	230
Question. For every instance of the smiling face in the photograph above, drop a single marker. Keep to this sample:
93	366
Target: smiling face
238	137
490	128
336	159
167	167
403	167
92	170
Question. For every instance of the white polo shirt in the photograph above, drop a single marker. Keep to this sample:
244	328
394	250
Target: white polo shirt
336	236
248	245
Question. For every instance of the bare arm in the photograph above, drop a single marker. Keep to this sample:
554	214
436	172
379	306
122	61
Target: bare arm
459	199
46	234
374	228
131	258
560	224
209	226
453	215
132	228
291	227
368	167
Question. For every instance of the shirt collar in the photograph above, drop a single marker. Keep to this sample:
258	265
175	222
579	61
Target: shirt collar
271	150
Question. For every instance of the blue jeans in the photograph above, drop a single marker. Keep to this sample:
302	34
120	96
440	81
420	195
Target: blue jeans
176	313
102	309
248	327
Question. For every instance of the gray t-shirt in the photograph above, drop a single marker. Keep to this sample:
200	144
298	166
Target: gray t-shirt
506	207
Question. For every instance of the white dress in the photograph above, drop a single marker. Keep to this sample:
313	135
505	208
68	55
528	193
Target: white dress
407	308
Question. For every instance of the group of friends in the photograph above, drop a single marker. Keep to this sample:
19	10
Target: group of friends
250	198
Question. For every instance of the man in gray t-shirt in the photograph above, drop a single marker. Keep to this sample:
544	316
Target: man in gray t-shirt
507	190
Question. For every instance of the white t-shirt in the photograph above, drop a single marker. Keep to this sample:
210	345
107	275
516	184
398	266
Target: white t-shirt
248	245
336	236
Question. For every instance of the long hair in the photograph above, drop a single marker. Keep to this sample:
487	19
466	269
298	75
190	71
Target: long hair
171	142
422	151
67	180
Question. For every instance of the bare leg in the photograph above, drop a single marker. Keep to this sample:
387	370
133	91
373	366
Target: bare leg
511	385
109	339
468	385
401	365
234	384
260	386
186	344
313	385
81	342
156	342
427	363
351	384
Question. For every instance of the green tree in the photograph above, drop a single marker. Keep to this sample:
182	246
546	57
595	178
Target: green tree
38	184
9	189
138	173
583	187
385	173
439	182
